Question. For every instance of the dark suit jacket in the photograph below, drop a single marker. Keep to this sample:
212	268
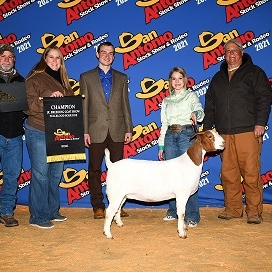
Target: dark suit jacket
99	117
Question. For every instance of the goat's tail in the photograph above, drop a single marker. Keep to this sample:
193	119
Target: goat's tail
107	158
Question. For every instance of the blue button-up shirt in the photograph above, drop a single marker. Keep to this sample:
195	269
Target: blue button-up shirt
106	81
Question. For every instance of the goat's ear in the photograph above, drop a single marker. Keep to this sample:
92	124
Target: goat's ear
197	133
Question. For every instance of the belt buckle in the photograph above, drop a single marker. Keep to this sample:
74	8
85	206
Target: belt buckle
176	128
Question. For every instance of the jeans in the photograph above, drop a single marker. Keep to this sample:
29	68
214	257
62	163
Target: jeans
11	155
175	144
43	198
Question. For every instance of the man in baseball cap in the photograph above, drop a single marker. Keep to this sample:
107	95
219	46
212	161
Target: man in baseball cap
11	144
6	47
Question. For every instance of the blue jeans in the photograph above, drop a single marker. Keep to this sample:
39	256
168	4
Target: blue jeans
11	155
175	144
43	198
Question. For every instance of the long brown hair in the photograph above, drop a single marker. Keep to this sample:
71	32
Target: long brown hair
41	66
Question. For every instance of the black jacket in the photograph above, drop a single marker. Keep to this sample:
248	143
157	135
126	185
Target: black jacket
236	106
11	123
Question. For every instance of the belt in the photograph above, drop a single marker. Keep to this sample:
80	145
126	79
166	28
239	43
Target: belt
175	128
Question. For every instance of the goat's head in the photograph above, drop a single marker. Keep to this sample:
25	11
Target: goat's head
210	140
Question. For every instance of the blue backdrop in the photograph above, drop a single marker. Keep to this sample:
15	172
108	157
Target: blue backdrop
151	37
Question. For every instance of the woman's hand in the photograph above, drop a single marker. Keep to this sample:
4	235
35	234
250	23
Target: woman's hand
160	155
193	118
56	94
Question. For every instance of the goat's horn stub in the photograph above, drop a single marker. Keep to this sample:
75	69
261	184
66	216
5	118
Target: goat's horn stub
193	136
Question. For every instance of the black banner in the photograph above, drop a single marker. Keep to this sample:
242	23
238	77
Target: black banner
13	97
64	128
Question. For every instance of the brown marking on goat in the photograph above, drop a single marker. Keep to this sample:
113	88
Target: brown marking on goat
195	152
204	140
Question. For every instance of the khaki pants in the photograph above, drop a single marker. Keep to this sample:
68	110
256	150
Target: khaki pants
241	161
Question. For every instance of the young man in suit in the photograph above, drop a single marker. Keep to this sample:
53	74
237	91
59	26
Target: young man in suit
106	117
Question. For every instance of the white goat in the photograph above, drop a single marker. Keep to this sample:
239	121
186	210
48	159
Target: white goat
153	181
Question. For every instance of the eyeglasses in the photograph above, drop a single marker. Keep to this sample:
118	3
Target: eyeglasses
235	51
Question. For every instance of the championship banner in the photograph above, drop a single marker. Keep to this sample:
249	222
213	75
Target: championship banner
13	97
64	128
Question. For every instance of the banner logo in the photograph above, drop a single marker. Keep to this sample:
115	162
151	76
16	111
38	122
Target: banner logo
212	45
153	92
237	8
76	9
8	8
21	44
155	9
63	135
144	137
75	86
140	47
71	44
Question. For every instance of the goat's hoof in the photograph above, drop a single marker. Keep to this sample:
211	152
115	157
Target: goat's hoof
119	223
108	236
183	236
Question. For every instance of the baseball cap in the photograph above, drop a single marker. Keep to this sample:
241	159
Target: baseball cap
6	47
238	43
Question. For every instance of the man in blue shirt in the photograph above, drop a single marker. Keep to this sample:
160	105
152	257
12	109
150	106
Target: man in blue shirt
106	117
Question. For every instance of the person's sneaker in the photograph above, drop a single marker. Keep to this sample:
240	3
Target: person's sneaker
59	218
9	220
169	217
191	224
46	225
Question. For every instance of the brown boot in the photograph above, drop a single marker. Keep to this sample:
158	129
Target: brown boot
99	213
123	213
225	215
254	219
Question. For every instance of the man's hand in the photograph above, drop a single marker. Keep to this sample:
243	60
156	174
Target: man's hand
128	138
259	131
87	140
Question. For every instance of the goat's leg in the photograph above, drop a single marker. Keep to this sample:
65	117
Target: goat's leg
110	213
181	204
117	217
107	222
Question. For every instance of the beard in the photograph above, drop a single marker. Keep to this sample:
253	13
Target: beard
6	67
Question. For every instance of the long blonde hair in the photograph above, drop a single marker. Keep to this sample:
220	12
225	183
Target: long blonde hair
41	66
182	72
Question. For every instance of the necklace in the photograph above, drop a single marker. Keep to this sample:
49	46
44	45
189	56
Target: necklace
233	68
